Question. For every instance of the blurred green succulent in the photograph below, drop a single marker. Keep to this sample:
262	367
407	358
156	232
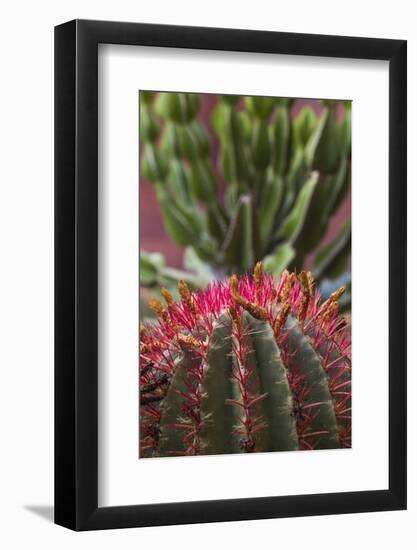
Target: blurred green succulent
284	178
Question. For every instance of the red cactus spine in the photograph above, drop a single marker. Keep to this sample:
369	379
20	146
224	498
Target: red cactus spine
250	365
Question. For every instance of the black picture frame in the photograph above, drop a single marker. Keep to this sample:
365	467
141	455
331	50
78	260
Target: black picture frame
76	271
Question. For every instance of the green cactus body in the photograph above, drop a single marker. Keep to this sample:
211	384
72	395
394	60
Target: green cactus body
268	159
253	365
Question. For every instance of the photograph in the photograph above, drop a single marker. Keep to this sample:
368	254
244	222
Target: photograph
208	223
245	274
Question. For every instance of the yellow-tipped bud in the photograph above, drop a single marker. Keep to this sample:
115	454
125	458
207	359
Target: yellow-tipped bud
286	289
186	295
329	312
189	340
310	282
258	271
234	286
183	290
305	279
235	317
156	306
337	294
144	348
257	275
167	297
254	309
281	319
330	306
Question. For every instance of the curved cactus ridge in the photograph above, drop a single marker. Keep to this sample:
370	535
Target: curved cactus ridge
248	365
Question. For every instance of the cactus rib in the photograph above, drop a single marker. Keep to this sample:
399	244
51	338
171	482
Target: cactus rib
255	364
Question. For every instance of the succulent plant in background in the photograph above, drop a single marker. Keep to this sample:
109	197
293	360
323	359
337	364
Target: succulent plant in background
284	178
249	365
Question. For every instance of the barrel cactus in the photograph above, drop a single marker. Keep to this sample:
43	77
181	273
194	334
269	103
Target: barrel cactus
251	364
269	191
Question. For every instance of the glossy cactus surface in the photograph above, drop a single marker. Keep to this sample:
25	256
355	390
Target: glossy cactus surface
253	364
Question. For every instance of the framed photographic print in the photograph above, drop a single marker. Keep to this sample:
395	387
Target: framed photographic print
230	275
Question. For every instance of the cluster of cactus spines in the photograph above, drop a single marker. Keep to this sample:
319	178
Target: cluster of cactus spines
284	178
250	364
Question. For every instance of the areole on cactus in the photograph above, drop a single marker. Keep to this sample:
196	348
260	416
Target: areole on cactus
253	364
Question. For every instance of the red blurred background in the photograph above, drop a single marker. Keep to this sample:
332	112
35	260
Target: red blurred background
153	237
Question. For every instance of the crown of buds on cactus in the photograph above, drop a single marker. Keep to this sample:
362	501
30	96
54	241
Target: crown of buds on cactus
248	365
